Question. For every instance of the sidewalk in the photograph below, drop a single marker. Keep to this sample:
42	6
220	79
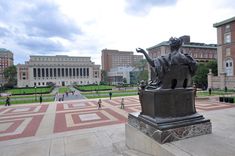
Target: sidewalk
78	128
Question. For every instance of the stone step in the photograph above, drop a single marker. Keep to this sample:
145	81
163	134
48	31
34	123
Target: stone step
134	153
121	149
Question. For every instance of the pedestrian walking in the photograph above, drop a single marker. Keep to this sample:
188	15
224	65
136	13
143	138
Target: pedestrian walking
7	101
110	95
209	91
99	104
40	99
122	103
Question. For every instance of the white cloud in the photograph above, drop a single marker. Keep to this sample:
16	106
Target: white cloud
109	24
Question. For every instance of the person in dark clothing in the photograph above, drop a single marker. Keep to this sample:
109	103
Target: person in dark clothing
122	103
110	95
7	101
40	99
99	104
209	91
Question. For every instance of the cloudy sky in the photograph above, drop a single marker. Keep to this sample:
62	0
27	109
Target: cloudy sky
85	27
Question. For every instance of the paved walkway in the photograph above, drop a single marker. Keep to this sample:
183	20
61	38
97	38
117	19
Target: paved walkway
70	128
75	95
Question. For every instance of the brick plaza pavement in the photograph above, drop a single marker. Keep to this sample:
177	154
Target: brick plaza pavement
32	120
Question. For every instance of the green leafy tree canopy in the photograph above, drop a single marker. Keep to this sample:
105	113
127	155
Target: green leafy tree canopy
10	74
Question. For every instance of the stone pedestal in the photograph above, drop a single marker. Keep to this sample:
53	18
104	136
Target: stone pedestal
168	102
170	129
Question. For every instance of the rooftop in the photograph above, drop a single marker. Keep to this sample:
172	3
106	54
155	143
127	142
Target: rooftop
4	50
224	22
190	44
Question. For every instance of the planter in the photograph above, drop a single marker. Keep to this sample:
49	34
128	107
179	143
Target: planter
231	100
221	99
226	99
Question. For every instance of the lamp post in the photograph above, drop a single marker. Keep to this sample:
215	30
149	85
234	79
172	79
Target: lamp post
35	90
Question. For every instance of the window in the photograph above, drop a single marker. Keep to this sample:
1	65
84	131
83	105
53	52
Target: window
227	38
227	28
43	73
229	67
62	72
34	72
228	51
87	70
66	72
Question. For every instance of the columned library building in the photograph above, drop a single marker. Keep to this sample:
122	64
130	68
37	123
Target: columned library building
60	69
226	55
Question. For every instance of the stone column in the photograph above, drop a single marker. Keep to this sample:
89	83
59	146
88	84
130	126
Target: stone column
222	80
209	79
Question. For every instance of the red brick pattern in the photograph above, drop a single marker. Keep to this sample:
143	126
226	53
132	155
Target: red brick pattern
76	105
209	106
20	121
62	125
17	129
24	121
22	110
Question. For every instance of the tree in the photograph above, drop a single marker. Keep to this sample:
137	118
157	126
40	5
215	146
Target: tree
143	75
124	80
104	76
213	66
10	74
141	65
200	77
143	71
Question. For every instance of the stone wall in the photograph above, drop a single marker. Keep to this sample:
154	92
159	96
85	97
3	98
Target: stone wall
219	82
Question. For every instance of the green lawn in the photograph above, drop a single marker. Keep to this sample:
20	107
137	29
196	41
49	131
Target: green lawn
22	91
27	96
94	87
107	92
63	90
25	101
106	96
213	93
100	94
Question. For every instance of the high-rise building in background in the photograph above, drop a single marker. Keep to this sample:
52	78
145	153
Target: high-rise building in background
6	60
226	55
60	69
115	58
118	65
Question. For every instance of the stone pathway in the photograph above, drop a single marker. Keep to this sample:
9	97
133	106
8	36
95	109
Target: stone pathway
71	127
75	95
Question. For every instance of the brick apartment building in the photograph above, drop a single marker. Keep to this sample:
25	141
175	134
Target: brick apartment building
226	55
115	58
200	51
6	60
